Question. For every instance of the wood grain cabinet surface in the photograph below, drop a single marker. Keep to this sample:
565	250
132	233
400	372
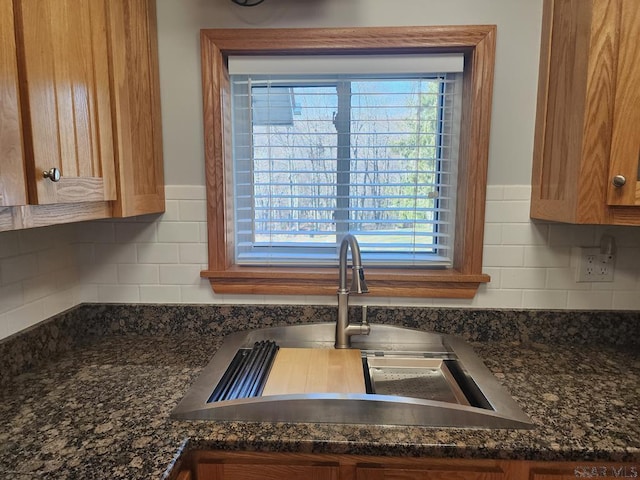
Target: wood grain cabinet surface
285	466
220	465
79	94
12	181
587	140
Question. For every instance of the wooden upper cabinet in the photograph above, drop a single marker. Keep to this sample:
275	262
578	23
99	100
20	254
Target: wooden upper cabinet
625	145
12	181
588	113
79	93
66	102
136	107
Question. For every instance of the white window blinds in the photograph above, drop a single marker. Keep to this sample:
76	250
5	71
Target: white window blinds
319	155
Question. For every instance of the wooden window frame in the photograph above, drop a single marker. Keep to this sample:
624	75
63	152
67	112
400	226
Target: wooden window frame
476	42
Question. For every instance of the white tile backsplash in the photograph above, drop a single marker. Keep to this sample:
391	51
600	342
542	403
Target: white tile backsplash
139	274
158	259
160	294
181	232
158	253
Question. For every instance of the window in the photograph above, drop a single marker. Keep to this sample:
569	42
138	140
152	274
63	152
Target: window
316	156
377	134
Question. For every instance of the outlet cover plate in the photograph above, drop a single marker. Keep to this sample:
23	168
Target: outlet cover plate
594	266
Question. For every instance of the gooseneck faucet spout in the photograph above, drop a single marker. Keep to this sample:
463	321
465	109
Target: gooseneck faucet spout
344	330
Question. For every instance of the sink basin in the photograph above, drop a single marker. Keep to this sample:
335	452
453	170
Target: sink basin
412	378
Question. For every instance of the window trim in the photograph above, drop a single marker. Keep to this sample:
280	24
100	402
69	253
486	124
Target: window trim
476	42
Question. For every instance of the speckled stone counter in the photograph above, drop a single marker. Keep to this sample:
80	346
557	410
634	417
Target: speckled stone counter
98	406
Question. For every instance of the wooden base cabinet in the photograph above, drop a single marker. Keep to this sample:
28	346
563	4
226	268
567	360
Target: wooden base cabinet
285	466
80	133
213	465
587	141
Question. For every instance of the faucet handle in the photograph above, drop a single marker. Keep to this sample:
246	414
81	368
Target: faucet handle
365	321
358	284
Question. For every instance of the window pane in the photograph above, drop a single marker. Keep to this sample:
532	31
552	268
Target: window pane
315	158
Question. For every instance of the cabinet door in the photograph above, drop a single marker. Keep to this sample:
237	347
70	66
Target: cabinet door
398	473
136	100
571	471
222	471
66	103
12	180
625	142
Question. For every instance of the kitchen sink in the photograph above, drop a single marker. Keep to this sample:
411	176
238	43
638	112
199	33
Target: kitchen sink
411	377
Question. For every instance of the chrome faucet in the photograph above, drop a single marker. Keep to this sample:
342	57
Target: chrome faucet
344	331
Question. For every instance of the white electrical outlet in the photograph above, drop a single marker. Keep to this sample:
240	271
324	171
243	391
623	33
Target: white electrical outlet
594	266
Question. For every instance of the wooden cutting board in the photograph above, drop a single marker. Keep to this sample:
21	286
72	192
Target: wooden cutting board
315	370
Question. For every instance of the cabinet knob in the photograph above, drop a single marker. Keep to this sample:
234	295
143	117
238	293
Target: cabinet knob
53	174
619	181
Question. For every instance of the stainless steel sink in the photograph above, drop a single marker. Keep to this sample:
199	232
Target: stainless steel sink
412	377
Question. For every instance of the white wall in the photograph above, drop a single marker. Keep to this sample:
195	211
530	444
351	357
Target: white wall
158	258
516	72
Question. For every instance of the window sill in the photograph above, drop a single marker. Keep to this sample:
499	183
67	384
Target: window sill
419	283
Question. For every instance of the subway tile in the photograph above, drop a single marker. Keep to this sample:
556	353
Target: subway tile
544	299
60	301
118	294
116	253
160	293
409	302
495	273
507	212
185	192
137	274
453	302
11	297
564	279
100	274
97	231
517	192
495	192
199	293
590	300
498	299
48	284
9	244
544	256
523	278
626	300
571	235
136	232
492	234
503	256
179	232
158	253
524	234
204	233
171	211
25	317
16	269
55	259
626	236
87	293
194	253
193	211
179	274
43	238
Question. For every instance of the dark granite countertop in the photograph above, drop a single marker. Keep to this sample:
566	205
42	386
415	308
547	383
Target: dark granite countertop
99	409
